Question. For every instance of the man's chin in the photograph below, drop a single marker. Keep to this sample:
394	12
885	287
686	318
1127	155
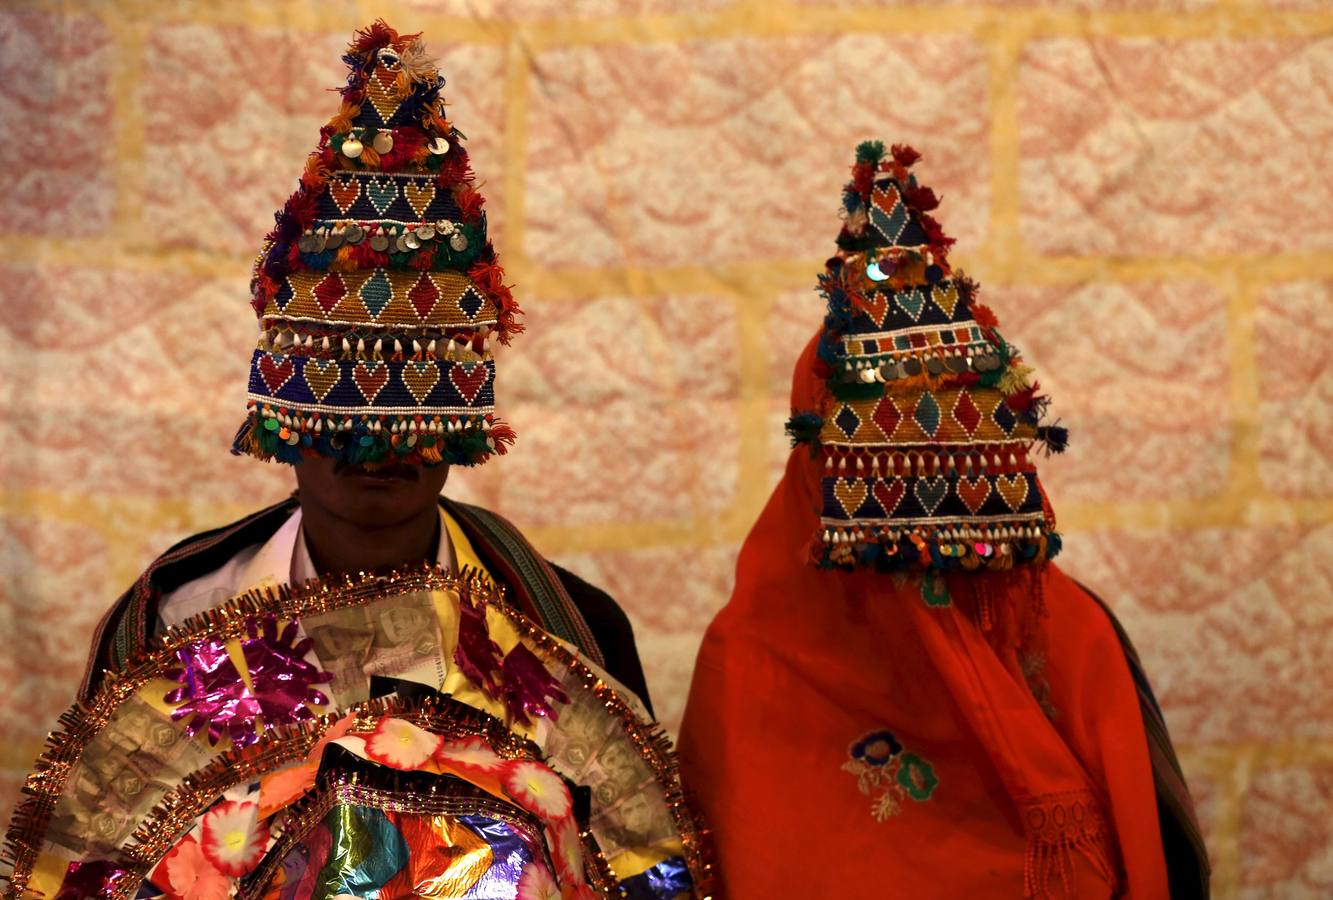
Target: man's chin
381	507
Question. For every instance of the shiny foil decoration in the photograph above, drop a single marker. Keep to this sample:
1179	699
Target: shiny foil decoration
529	689
669	878
96	878
210	659
364	851
477	655
215	697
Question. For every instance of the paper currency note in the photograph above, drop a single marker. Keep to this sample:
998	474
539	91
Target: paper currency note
397	637
121	776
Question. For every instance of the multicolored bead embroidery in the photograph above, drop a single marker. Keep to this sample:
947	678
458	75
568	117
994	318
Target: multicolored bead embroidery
929	420
378	293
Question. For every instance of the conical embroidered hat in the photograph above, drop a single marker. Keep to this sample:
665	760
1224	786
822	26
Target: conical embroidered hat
378	289
928	424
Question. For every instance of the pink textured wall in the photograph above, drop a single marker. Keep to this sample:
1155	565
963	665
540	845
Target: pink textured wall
1140	186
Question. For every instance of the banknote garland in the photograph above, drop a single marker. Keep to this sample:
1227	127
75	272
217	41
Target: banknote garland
930	420
242	656
378	291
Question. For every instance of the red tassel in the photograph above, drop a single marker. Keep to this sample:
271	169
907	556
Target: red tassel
470	203
938	240
1057	827
375	37
425	258
302	205
406	143
503	436
863	177
455	170
905	155
1021	401
489	277
922	198
367	258
985	318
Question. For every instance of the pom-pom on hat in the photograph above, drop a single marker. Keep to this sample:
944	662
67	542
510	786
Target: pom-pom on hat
927	430
378	290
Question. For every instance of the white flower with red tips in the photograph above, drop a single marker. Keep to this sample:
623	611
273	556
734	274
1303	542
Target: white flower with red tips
470	753
539	790
537	883
399	744
234	837
567	850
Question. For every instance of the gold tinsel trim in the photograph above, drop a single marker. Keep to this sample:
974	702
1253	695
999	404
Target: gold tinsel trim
85	720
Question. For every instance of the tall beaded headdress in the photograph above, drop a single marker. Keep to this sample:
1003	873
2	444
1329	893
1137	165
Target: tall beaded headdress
928	425
377	291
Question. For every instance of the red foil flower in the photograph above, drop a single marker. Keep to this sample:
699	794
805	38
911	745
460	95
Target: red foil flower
477	656
528	688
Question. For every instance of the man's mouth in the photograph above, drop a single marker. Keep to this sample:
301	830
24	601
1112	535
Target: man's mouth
389	472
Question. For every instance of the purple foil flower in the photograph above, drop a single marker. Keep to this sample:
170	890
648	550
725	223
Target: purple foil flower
283	681
528	687
86	880
214	695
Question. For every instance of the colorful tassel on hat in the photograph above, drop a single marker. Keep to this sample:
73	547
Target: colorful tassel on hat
930	416
383	246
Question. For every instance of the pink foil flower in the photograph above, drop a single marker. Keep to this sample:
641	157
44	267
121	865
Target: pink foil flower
215	697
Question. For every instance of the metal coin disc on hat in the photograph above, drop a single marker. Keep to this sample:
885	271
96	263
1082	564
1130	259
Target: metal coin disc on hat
410	241
400	244
352	148
935	365
335	239
439	146
458	241
426	232
383	142
355	234
987	362
379	242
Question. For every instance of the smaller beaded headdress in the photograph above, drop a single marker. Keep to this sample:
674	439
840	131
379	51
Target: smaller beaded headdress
928	424
378	290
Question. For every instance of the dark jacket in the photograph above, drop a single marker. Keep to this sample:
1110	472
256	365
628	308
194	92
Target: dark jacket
557	599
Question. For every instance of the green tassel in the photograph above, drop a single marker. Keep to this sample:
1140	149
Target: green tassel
869	151
934	589
804	428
